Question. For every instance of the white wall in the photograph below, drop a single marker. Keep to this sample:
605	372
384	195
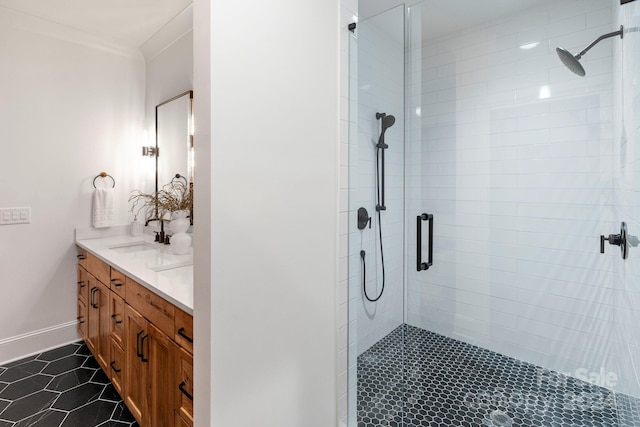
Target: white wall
71	107
273	200
520	185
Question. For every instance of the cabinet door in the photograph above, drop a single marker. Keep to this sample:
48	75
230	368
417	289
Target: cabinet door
101	299
135	374
117	366
184	386
116	312
93	315
161	373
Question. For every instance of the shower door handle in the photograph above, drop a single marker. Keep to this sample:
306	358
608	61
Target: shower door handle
424	265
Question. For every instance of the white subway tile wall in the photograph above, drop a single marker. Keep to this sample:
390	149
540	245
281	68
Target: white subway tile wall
515	157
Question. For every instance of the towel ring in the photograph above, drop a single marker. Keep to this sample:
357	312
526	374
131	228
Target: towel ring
104	175
178	176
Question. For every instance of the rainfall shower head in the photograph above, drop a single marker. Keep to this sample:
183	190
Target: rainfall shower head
572	62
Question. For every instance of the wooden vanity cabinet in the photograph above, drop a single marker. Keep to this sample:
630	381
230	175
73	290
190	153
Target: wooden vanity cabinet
143	343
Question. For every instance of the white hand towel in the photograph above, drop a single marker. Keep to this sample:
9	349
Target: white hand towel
103	214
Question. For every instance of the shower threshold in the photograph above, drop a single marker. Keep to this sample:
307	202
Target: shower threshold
433	380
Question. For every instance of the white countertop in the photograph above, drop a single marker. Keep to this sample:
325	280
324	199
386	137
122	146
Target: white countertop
154	267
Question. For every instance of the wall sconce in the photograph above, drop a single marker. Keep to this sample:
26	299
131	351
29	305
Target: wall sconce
149	151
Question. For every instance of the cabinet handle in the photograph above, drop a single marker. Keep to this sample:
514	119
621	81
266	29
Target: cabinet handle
81	284
113	316
144	337
185	392
115	283
81	257
116	370
93	293
80	319
138	343
185	336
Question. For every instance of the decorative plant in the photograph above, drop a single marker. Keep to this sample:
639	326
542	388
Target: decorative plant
177	195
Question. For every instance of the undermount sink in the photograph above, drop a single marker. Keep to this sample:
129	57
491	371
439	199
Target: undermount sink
134	247
171	266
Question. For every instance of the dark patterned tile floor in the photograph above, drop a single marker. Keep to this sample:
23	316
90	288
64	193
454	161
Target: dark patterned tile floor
64	387
414	377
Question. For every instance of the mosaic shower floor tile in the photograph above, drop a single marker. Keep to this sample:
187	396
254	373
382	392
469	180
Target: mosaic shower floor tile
414	377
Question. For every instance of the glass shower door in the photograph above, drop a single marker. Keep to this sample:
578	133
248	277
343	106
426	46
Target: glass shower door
376	213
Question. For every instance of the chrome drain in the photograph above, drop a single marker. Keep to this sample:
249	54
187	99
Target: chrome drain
500	419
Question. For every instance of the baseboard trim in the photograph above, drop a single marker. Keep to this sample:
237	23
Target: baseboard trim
25	345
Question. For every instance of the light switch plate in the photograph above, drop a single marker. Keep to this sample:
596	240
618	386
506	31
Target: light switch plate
10	216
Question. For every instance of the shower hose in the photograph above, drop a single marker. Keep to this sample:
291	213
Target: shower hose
362	253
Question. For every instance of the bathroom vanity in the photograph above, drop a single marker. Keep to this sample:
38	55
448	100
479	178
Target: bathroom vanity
135	313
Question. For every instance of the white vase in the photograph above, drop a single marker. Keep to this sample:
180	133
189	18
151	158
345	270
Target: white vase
136	227
180	240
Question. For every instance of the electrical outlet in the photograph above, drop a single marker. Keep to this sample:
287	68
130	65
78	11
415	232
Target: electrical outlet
10	216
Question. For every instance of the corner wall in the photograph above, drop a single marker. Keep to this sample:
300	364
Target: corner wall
273	200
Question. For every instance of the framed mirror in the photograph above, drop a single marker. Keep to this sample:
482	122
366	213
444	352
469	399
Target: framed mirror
174	140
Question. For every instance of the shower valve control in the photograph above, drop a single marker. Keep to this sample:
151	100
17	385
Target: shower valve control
363	219
617	240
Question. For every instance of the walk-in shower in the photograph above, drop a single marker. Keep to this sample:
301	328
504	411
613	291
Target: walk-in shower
484	182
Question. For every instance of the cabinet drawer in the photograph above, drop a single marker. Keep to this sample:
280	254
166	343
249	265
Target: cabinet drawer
184	330
83	285
116	312
118	281
156	309
116	366
100	269
82	256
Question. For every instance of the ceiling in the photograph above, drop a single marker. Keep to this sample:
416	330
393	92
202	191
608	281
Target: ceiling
129	23
441	17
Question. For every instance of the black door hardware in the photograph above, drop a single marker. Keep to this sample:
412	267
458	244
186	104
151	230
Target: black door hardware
618	240
144	337
424	265
138	353
185	392
113	366
185	336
